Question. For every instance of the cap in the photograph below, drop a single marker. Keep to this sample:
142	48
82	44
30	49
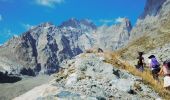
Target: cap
151	56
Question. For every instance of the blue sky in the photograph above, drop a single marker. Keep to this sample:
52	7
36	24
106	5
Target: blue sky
16	16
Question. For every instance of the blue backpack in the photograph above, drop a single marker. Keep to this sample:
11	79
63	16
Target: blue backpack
155	63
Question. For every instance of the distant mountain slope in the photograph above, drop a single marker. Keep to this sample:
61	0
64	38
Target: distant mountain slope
42	48
114	37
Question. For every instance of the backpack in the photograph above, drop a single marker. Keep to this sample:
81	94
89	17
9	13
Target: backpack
155	63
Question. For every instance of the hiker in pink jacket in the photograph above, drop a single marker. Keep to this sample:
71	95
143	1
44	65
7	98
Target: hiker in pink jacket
165	70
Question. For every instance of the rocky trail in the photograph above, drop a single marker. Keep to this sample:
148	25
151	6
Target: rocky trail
89	77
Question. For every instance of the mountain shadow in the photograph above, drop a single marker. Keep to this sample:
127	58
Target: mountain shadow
5	78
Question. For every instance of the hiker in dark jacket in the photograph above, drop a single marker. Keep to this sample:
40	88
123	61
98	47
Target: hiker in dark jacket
140	63
154	66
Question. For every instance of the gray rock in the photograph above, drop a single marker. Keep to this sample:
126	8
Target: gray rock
100	79
67	95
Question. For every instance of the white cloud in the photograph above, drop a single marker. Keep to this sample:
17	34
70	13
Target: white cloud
49	3
1	17
6	33
15	35
119	20
9	33
106	20
112	21
27	26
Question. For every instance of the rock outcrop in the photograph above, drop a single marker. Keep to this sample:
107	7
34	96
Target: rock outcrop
88	77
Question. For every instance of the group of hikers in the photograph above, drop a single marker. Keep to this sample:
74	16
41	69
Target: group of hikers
155	68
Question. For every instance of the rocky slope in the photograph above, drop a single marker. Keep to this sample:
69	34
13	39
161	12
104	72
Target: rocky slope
88	77
43	48
151	32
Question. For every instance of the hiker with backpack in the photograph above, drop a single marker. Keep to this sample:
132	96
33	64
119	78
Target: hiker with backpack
154	66
165	70
140	63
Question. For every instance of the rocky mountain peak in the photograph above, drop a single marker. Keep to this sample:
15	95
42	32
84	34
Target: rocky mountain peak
81	24
70	23
152	8
47	25
44	25
88	22
126	23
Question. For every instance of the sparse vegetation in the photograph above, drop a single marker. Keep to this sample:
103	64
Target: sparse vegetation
115	60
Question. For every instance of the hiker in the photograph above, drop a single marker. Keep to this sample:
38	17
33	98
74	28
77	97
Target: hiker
154	66
165	70
140	63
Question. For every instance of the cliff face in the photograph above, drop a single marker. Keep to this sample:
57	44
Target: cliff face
156	13
152	8
152	32
115	36
43	48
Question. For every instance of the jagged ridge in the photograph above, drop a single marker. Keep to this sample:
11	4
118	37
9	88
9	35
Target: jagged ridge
43	48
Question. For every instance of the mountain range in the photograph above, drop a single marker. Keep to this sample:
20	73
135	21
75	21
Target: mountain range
69	52
43	48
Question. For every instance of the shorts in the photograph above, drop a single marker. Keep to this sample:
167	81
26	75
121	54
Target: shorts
166	81
140	67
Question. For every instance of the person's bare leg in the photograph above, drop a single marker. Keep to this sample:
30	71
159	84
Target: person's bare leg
168	88
157	79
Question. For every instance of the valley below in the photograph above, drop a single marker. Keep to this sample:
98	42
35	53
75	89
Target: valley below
12	90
